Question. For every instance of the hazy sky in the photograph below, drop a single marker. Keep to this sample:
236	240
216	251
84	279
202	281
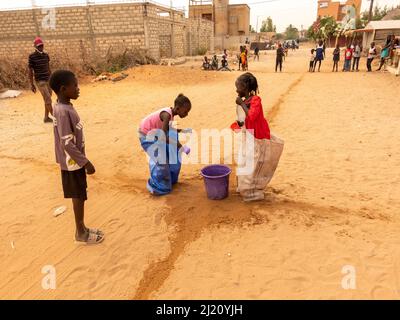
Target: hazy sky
283	12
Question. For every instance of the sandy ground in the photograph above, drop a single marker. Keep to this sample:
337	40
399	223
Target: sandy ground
333	202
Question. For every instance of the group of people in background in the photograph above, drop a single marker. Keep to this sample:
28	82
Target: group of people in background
214	63
352	55
242	58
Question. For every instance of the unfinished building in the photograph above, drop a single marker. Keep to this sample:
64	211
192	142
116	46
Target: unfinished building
90	31
229	19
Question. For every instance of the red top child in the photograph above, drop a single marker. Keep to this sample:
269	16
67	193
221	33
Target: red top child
348	53
247	87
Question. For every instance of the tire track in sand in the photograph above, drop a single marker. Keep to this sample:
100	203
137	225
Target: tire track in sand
274	110
189	218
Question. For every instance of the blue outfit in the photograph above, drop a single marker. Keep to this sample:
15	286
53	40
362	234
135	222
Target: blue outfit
384	53
319	56
347	65
164	162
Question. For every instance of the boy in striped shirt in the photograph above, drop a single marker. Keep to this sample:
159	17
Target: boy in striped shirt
39	68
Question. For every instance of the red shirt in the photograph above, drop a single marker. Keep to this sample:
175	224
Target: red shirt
255	119
348	54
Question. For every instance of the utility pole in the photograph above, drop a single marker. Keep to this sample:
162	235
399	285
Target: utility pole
371	7
258	17
35	20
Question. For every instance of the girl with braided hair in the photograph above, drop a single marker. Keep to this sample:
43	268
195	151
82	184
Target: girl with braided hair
265	153
247	89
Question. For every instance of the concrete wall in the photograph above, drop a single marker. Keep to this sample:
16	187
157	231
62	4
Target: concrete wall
233	42
328	8
334	8
239	19
197	11
200	36
221	17
87	33
232	20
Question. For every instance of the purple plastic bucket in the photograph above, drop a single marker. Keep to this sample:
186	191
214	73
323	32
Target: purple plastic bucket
216	180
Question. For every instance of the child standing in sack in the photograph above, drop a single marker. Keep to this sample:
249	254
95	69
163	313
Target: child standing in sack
266	150
160	141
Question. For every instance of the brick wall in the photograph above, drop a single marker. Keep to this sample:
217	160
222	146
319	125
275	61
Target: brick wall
85	33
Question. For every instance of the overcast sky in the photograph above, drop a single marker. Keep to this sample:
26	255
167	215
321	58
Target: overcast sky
283	12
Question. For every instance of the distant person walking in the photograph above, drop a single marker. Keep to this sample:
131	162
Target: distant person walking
336	58
320	54
371	56
39	69
279	58
356	56
256	53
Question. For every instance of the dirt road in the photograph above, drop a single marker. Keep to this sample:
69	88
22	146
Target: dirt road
332	206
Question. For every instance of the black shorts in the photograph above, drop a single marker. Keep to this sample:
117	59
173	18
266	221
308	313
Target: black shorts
74	184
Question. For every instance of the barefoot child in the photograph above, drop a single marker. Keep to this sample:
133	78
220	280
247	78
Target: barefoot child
319	55
160	141
70	152
267	149
312	59
336	58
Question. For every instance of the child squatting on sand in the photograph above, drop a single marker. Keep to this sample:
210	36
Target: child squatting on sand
160	141
70	152
267	148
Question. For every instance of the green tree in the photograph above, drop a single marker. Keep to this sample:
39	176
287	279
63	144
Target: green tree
251	29
377	14
310	33
291	32
360	23
268	26
324	29
279	36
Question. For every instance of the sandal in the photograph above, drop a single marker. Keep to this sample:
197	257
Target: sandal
95	231
92	239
